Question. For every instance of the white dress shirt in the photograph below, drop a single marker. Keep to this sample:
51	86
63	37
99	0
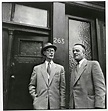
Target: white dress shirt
81	62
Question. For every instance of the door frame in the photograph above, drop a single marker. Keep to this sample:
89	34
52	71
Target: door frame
93	42
11	28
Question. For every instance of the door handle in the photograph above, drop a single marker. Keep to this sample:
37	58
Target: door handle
13	76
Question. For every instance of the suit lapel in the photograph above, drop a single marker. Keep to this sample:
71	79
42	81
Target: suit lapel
73	77
44	73
79	73
53	70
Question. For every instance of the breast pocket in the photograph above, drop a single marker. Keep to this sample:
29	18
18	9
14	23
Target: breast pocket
57	77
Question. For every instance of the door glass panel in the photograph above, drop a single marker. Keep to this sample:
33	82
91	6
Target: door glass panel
31	16
30	48
79	32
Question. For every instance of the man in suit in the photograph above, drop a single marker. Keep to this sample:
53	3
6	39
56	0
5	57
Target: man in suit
87	86
47	84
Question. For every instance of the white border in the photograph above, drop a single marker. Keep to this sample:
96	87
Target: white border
1	71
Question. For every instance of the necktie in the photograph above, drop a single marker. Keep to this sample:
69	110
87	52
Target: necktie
77	67
49	68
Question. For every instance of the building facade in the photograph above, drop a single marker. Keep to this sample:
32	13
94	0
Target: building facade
26	26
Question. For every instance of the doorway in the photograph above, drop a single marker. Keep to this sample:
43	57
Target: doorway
26	53
80	30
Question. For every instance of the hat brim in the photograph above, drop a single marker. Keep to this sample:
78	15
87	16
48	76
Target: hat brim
50	46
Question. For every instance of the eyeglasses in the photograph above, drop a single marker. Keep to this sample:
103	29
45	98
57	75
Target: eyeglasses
50	50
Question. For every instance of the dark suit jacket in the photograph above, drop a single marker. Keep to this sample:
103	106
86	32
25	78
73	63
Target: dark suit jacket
41	89
87	89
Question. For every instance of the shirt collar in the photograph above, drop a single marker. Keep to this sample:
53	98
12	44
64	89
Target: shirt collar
46	62
81	62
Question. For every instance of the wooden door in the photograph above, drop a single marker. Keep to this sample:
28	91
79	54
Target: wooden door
26	53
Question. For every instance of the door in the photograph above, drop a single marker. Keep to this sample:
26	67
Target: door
26	53
80	30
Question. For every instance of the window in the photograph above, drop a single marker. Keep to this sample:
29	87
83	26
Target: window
31	16
30	48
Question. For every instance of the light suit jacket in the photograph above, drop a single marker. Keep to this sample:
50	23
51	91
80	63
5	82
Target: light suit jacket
87	87
41	90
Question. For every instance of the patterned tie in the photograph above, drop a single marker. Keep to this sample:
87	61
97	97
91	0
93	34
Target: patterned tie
49	68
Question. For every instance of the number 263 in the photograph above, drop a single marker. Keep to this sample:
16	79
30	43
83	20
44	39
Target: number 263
59	40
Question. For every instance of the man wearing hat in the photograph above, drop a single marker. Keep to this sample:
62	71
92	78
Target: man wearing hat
47	83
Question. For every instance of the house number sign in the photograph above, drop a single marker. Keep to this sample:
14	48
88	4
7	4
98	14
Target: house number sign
59	40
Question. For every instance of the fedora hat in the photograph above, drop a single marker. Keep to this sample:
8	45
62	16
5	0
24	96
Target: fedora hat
48	45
